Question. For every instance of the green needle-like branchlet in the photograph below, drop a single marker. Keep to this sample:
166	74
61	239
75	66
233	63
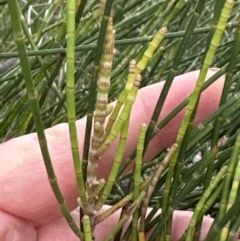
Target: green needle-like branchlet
218	121
137	178
121	98
194	99
194	29
200	205
177	54
205	208
141	65
33	100
71	111
155	178
234	231
194	180
228	193
231	214
174	12
126	215
229	74
87	228
217	12
180	49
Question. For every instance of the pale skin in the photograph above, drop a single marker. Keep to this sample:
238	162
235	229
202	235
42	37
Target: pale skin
28	207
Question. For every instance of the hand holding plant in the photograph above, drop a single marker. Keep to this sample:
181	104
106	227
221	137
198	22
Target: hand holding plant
33	213
148	140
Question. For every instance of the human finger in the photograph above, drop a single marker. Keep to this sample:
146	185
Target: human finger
23	178
13	228
59	230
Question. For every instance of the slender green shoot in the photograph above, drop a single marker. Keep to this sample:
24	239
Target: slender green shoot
205	196
71	110
87	228
137	177
33	100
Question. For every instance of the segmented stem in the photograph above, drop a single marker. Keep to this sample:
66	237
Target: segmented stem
87	228
92	91
234	164
101	112
99	218
122	97
70	93
126	215
122	117
117	161
141	65
155	178
194	180
194	99
102	100
205	208
33	101
137	178
203	200
231	214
